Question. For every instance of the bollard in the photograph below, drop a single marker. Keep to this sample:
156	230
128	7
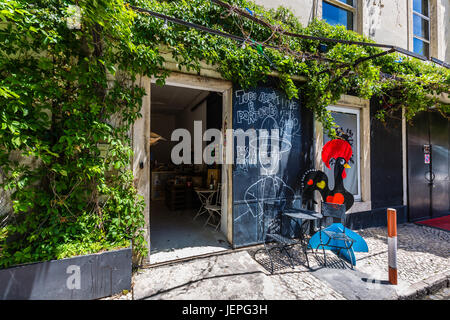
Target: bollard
392	245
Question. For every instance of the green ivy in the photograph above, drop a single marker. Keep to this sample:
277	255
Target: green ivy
68	99
414	85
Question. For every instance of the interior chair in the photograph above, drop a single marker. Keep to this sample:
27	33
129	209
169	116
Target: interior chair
214	208
205	199
337	240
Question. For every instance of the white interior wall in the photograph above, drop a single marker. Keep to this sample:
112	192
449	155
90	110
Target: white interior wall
225	87
164	124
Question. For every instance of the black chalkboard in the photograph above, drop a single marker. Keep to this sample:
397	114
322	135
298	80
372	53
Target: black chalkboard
255	183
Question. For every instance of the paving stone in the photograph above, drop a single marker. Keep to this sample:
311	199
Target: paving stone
226	277
423	267
422	252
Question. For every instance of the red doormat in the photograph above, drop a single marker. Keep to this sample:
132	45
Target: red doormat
441	223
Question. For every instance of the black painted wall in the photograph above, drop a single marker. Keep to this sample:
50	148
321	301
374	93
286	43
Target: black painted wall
255	187
386	172
386	159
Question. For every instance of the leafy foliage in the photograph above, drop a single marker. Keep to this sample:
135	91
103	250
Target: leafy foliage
68	98
414	85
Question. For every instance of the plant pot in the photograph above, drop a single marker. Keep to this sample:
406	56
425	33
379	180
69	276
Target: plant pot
83	277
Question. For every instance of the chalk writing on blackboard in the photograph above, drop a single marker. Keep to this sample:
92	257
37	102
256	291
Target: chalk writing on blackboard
254	182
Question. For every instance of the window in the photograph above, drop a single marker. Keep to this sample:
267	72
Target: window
348	121
339	12
421	27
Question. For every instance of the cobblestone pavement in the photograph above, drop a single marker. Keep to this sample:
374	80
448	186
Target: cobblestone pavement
423	254
443	294
230	276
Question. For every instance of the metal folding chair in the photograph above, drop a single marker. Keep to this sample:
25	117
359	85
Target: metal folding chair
302	217
340	240
272	222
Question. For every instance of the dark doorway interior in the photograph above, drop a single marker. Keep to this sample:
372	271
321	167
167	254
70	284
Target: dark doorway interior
178	227
428	167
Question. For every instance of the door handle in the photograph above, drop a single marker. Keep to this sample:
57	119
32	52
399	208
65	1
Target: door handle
430	176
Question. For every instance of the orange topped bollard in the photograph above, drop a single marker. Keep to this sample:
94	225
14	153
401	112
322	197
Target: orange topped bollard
392	245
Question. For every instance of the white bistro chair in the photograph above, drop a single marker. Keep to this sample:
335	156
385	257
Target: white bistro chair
214	209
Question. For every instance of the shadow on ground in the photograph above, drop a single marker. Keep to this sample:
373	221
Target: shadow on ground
282	263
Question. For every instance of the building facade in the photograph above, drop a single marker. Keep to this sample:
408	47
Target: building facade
421	26
388	167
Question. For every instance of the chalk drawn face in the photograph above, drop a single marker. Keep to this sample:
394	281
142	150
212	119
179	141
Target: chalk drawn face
271	147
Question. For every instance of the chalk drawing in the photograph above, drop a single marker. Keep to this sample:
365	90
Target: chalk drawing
273	112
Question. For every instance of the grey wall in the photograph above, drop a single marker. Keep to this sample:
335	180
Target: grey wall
79	278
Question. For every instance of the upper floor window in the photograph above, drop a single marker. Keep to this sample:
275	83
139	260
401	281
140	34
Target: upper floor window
339	12
421	27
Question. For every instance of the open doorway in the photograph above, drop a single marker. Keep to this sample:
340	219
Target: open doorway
186	199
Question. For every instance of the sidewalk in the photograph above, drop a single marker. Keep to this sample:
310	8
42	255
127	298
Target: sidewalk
423	260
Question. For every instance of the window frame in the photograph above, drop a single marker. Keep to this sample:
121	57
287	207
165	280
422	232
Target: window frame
421	16
353	9
357	112
351	102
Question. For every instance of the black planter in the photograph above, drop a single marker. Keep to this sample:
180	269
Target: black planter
85	277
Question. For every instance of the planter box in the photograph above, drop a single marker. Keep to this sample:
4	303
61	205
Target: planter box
79	278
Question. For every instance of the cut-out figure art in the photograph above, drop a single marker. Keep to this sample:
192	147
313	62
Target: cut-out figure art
338	152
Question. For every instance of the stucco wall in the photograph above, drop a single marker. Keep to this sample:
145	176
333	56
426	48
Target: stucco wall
303	9
141	149
386	21
444	34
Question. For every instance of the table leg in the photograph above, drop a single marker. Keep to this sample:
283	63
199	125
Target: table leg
304	243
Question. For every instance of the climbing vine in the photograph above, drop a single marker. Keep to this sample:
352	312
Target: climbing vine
68	98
